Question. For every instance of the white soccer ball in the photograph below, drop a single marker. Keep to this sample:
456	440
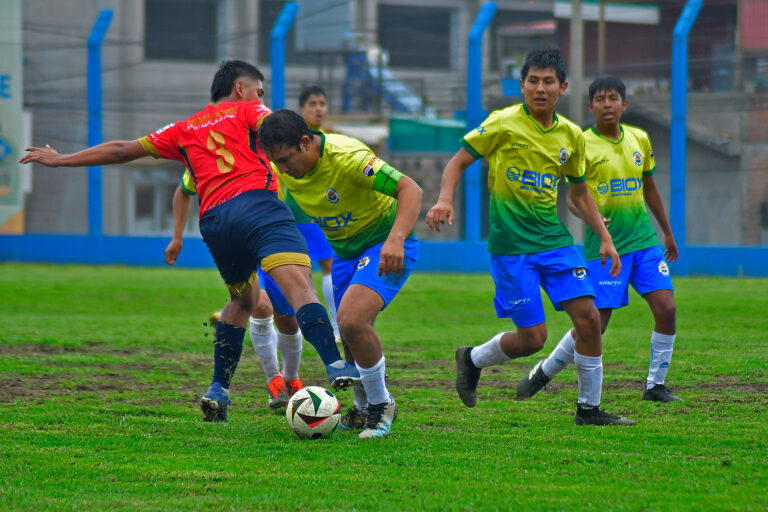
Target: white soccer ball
313	413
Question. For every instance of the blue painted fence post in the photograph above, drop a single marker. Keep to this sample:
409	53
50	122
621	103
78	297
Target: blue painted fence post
475	115
277	52
95	115
677	157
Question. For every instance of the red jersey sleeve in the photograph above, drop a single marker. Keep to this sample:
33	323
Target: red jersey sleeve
254	113
163	143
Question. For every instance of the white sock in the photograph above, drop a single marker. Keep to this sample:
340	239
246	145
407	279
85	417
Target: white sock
661	356
489	353
590	378
561	357
361	399
289	346
328	297
373	383
264	340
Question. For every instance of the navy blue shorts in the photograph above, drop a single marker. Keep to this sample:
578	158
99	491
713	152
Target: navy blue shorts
247	230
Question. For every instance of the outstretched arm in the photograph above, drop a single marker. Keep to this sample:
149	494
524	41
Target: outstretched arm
408	194
582	200
652	197
115	152
442	211
181	203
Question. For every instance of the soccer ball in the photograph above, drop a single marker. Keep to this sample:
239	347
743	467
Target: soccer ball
313	413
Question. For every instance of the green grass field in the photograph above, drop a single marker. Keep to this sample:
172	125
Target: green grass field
101	370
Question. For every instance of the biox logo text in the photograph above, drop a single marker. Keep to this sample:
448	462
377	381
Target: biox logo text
532	180
334	223
620	187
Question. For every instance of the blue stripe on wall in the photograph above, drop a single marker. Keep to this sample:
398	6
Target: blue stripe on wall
433	256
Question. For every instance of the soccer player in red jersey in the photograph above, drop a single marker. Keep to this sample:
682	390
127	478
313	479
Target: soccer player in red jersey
243	223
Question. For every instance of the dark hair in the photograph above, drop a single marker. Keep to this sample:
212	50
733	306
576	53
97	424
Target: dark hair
607	83
309	91
542	59
228	73
283	128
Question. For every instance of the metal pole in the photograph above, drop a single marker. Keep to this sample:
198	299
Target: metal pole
576	64
475	116
277	52
678	126
601	39
95	115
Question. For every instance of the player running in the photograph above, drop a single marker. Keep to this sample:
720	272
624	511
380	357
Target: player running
529	147
619	169
367	210
266	340
243	223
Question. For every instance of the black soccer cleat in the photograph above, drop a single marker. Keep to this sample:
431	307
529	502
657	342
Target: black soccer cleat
533	382
597	416
467	375
660	393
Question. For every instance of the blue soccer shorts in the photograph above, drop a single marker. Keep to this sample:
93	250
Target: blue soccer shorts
645	270
275	294
254	229
561	272
319	248
364	269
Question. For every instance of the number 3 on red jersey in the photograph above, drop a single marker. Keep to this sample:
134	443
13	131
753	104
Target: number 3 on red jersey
217	144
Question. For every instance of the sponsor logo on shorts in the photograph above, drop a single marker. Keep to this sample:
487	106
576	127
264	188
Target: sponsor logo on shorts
663	268
519	302
580	273
609	283
563	156
332	196
363	263
638	158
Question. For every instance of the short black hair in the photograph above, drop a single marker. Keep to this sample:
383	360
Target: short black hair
283	128
228	73
309	91
607	83
542	59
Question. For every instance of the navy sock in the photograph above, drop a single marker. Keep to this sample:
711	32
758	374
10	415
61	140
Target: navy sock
316	328
226	352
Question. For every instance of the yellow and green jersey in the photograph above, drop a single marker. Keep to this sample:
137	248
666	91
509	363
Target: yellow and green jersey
615	170
349	194
526	163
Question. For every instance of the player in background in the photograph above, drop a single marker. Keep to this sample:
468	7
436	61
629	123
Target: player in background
529	147
620	168
313	106
266	340
243	223
367	210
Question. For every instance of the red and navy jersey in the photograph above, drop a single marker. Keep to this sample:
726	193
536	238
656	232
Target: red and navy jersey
220	148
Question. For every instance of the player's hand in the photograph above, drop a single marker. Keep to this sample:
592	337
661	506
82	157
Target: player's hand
607	250
441	213
670	253
172	251
46	156
391	257
606	221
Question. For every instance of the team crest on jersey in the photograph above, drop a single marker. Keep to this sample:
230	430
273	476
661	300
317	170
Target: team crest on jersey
638	158
602	187
563	156
363	263
663	268
580	273
332	196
